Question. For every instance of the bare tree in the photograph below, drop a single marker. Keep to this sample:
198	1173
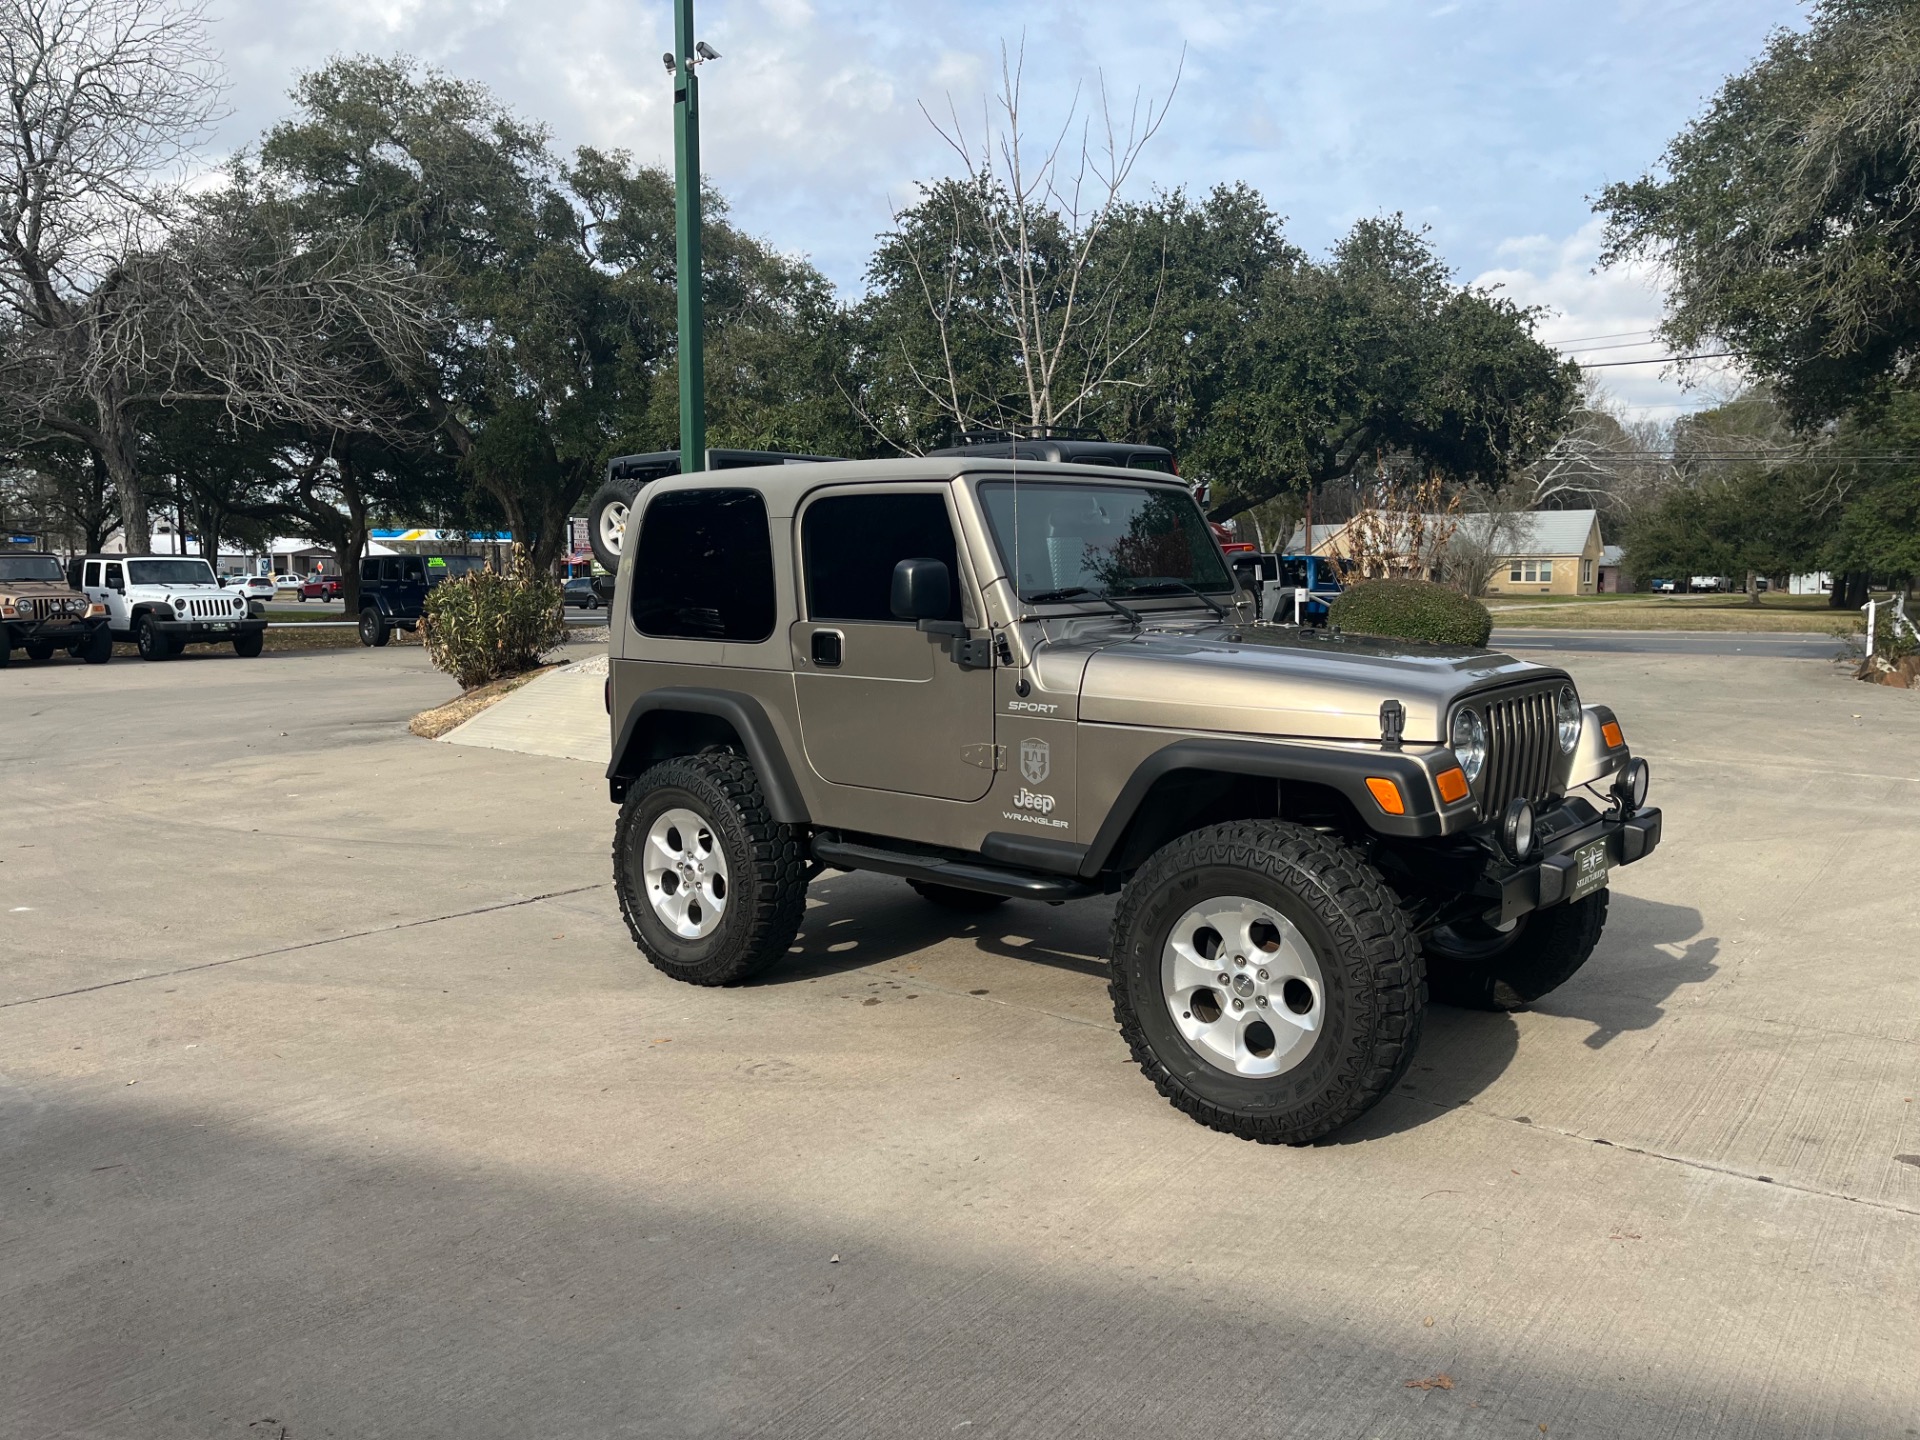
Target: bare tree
105	98
1040	217
1483	540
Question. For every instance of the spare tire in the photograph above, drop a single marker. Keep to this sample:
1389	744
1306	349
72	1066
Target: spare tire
607	521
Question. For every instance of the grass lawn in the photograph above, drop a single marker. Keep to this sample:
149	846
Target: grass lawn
1805	613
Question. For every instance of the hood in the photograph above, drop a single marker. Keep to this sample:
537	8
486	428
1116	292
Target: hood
1279	681
38	589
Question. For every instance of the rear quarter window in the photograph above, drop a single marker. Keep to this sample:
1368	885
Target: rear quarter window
703	567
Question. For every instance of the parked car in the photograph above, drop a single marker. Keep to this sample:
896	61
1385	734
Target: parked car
41	611
254	587
287	582
1059	691
163	604
320	587
393	590
627	475
579	591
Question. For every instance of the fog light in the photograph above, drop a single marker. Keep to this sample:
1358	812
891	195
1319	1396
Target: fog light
1630	785
1516	829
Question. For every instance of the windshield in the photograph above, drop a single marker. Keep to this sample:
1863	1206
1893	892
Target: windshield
1080	541
31	567
450	567
169	572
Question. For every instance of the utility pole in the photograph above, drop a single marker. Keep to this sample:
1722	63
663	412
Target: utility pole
686	173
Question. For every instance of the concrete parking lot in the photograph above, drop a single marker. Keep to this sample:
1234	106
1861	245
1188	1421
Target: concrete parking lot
334	1101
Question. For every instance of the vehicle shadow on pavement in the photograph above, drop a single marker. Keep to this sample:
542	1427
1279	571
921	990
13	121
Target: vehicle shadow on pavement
857	921
1649	951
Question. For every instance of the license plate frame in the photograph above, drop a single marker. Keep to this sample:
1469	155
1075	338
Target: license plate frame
1591	864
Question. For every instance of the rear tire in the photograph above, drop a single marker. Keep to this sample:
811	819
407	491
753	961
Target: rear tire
1287	916
711	885
151	641
1479	968
249	645
607	523
374	630
951	897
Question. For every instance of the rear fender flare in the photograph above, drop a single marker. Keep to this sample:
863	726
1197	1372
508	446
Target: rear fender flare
634	749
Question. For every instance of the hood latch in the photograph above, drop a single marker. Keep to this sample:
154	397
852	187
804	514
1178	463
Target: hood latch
1393	724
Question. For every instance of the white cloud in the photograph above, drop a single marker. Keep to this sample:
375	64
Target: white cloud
1602	317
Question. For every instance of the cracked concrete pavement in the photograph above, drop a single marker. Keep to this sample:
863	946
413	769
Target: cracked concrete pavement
335	1101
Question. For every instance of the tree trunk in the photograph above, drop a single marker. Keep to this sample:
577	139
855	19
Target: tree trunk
1753	588
120	450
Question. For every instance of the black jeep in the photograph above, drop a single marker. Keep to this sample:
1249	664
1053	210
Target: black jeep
393	590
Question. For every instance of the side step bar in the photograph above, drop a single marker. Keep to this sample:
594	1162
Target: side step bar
961	874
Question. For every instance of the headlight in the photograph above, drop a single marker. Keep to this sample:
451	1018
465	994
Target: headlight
1571	717
180	605
1469	742
239	606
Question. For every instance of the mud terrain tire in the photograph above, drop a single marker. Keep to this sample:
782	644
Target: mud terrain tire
1365	962
764	868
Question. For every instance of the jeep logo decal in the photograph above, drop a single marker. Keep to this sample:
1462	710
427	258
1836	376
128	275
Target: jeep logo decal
1036	761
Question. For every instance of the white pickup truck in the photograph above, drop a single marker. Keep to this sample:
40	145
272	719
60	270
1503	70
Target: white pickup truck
163	603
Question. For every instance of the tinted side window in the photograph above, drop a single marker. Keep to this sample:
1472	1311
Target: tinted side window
703	569
369	572
852	543
412	567
93	574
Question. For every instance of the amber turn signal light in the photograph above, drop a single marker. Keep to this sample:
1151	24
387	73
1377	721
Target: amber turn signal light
1452	785
1612	734
1387	795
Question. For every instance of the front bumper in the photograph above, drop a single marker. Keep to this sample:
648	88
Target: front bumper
189	632
1555	876
59	630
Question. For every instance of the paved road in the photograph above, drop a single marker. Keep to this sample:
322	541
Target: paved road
335	1101
1778	646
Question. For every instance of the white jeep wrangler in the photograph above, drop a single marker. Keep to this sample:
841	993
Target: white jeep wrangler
163	603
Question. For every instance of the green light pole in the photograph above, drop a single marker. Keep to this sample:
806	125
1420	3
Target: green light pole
685	60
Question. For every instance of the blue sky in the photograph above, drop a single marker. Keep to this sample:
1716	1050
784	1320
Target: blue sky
1491	121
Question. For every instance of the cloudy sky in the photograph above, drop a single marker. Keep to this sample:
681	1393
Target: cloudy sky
1491	121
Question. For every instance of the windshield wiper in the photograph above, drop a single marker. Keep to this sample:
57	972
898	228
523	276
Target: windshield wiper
1081	592
1158	583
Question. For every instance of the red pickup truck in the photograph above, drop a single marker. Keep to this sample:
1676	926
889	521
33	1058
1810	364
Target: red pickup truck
320	587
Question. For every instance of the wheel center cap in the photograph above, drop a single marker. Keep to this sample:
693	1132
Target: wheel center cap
1243	985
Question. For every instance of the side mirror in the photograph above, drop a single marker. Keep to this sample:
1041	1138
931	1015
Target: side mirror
922	590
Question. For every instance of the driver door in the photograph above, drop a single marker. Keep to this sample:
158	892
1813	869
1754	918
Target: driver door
883	706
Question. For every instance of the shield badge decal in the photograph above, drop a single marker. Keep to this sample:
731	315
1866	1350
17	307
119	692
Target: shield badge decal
1036	761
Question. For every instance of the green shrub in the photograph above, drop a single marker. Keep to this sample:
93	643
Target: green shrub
1412	610
486	625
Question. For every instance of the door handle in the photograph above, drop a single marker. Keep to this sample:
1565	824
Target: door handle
826	648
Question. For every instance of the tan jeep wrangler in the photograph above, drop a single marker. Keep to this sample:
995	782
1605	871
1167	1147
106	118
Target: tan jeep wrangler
1043	682
41	613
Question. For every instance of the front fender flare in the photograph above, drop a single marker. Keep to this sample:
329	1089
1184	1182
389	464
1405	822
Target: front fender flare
1345	771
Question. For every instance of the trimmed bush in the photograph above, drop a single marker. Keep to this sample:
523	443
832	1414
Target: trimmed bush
485	625
1412	610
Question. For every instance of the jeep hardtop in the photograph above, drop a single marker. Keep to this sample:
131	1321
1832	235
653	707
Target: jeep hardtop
164	603
41	613
998	679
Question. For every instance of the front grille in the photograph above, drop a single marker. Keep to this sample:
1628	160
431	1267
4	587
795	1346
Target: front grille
53	607
209	610
1522	744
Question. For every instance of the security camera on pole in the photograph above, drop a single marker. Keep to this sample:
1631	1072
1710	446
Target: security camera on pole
685	58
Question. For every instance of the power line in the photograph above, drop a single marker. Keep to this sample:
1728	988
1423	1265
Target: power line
1596	349
1662	360
1616	335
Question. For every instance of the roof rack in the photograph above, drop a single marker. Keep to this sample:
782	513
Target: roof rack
1028	432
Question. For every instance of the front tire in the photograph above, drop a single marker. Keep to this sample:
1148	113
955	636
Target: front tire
1315	953
711	885
152	641
39	650
1479	968
97	649
249	645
